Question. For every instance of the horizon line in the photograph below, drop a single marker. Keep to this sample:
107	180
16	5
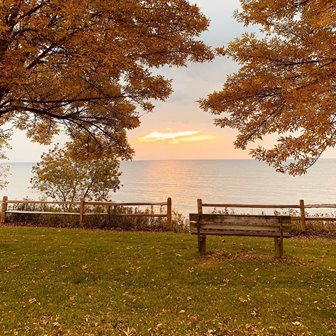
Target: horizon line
227	159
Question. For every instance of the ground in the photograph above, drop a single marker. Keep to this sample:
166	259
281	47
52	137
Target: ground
81	282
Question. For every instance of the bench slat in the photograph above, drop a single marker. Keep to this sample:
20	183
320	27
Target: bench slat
242	233
219	227
237	219
241	226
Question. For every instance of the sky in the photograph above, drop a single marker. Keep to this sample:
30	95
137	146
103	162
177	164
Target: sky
163	134
178	128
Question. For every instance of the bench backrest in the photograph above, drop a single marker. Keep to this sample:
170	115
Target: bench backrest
215	223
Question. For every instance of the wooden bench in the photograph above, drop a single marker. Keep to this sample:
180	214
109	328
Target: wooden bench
276	227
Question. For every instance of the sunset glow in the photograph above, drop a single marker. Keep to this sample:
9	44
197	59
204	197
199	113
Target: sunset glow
176	137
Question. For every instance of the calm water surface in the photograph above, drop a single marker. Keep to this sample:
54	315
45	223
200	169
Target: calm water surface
224	181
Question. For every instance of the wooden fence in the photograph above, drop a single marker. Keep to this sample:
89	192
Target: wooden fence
301	206
83	204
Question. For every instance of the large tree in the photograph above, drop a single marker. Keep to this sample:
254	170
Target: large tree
88	65
286	84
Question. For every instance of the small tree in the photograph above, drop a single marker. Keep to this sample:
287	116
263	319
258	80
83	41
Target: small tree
63	177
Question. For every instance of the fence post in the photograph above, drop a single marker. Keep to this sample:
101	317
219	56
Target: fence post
199	206
303	218
81	212
201	238
169	213
3	210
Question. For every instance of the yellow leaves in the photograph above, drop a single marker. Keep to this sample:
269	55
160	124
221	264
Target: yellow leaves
129	332
33	301
42	131
285	85
88	64
297	324
254	313
72	297
244	300
221	51
62	175
11	267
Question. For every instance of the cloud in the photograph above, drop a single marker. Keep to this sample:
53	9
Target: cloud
198	138
175	137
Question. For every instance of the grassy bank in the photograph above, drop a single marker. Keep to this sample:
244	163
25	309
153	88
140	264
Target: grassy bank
73	282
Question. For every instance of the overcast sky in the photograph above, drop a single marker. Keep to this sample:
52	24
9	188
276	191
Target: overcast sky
178	128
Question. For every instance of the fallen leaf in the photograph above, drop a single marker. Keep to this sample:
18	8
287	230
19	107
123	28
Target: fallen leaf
297	323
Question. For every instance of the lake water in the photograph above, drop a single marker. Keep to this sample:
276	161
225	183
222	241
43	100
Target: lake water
223	181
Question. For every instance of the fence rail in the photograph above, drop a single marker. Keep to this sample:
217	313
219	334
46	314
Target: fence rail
40	202
302	206
83	206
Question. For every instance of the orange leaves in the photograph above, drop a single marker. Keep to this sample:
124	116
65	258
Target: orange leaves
285	85
64	175
87	66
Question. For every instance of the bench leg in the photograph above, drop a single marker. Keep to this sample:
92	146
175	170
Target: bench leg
278	245
201	244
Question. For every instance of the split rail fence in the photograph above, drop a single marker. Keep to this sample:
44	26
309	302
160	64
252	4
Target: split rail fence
82	204
302	207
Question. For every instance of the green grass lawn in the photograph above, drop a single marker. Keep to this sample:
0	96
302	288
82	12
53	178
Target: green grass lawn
77	282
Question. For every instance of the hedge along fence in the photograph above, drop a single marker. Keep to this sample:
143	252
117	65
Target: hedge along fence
83	205
303	218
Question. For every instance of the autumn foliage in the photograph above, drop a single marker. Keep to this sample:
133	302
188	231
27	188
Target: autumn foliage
3	168
62	176
286	83
87	66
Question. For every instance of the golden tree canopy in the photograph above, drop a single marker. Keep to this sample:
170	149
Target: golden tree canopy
87	65
62	177
286	84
